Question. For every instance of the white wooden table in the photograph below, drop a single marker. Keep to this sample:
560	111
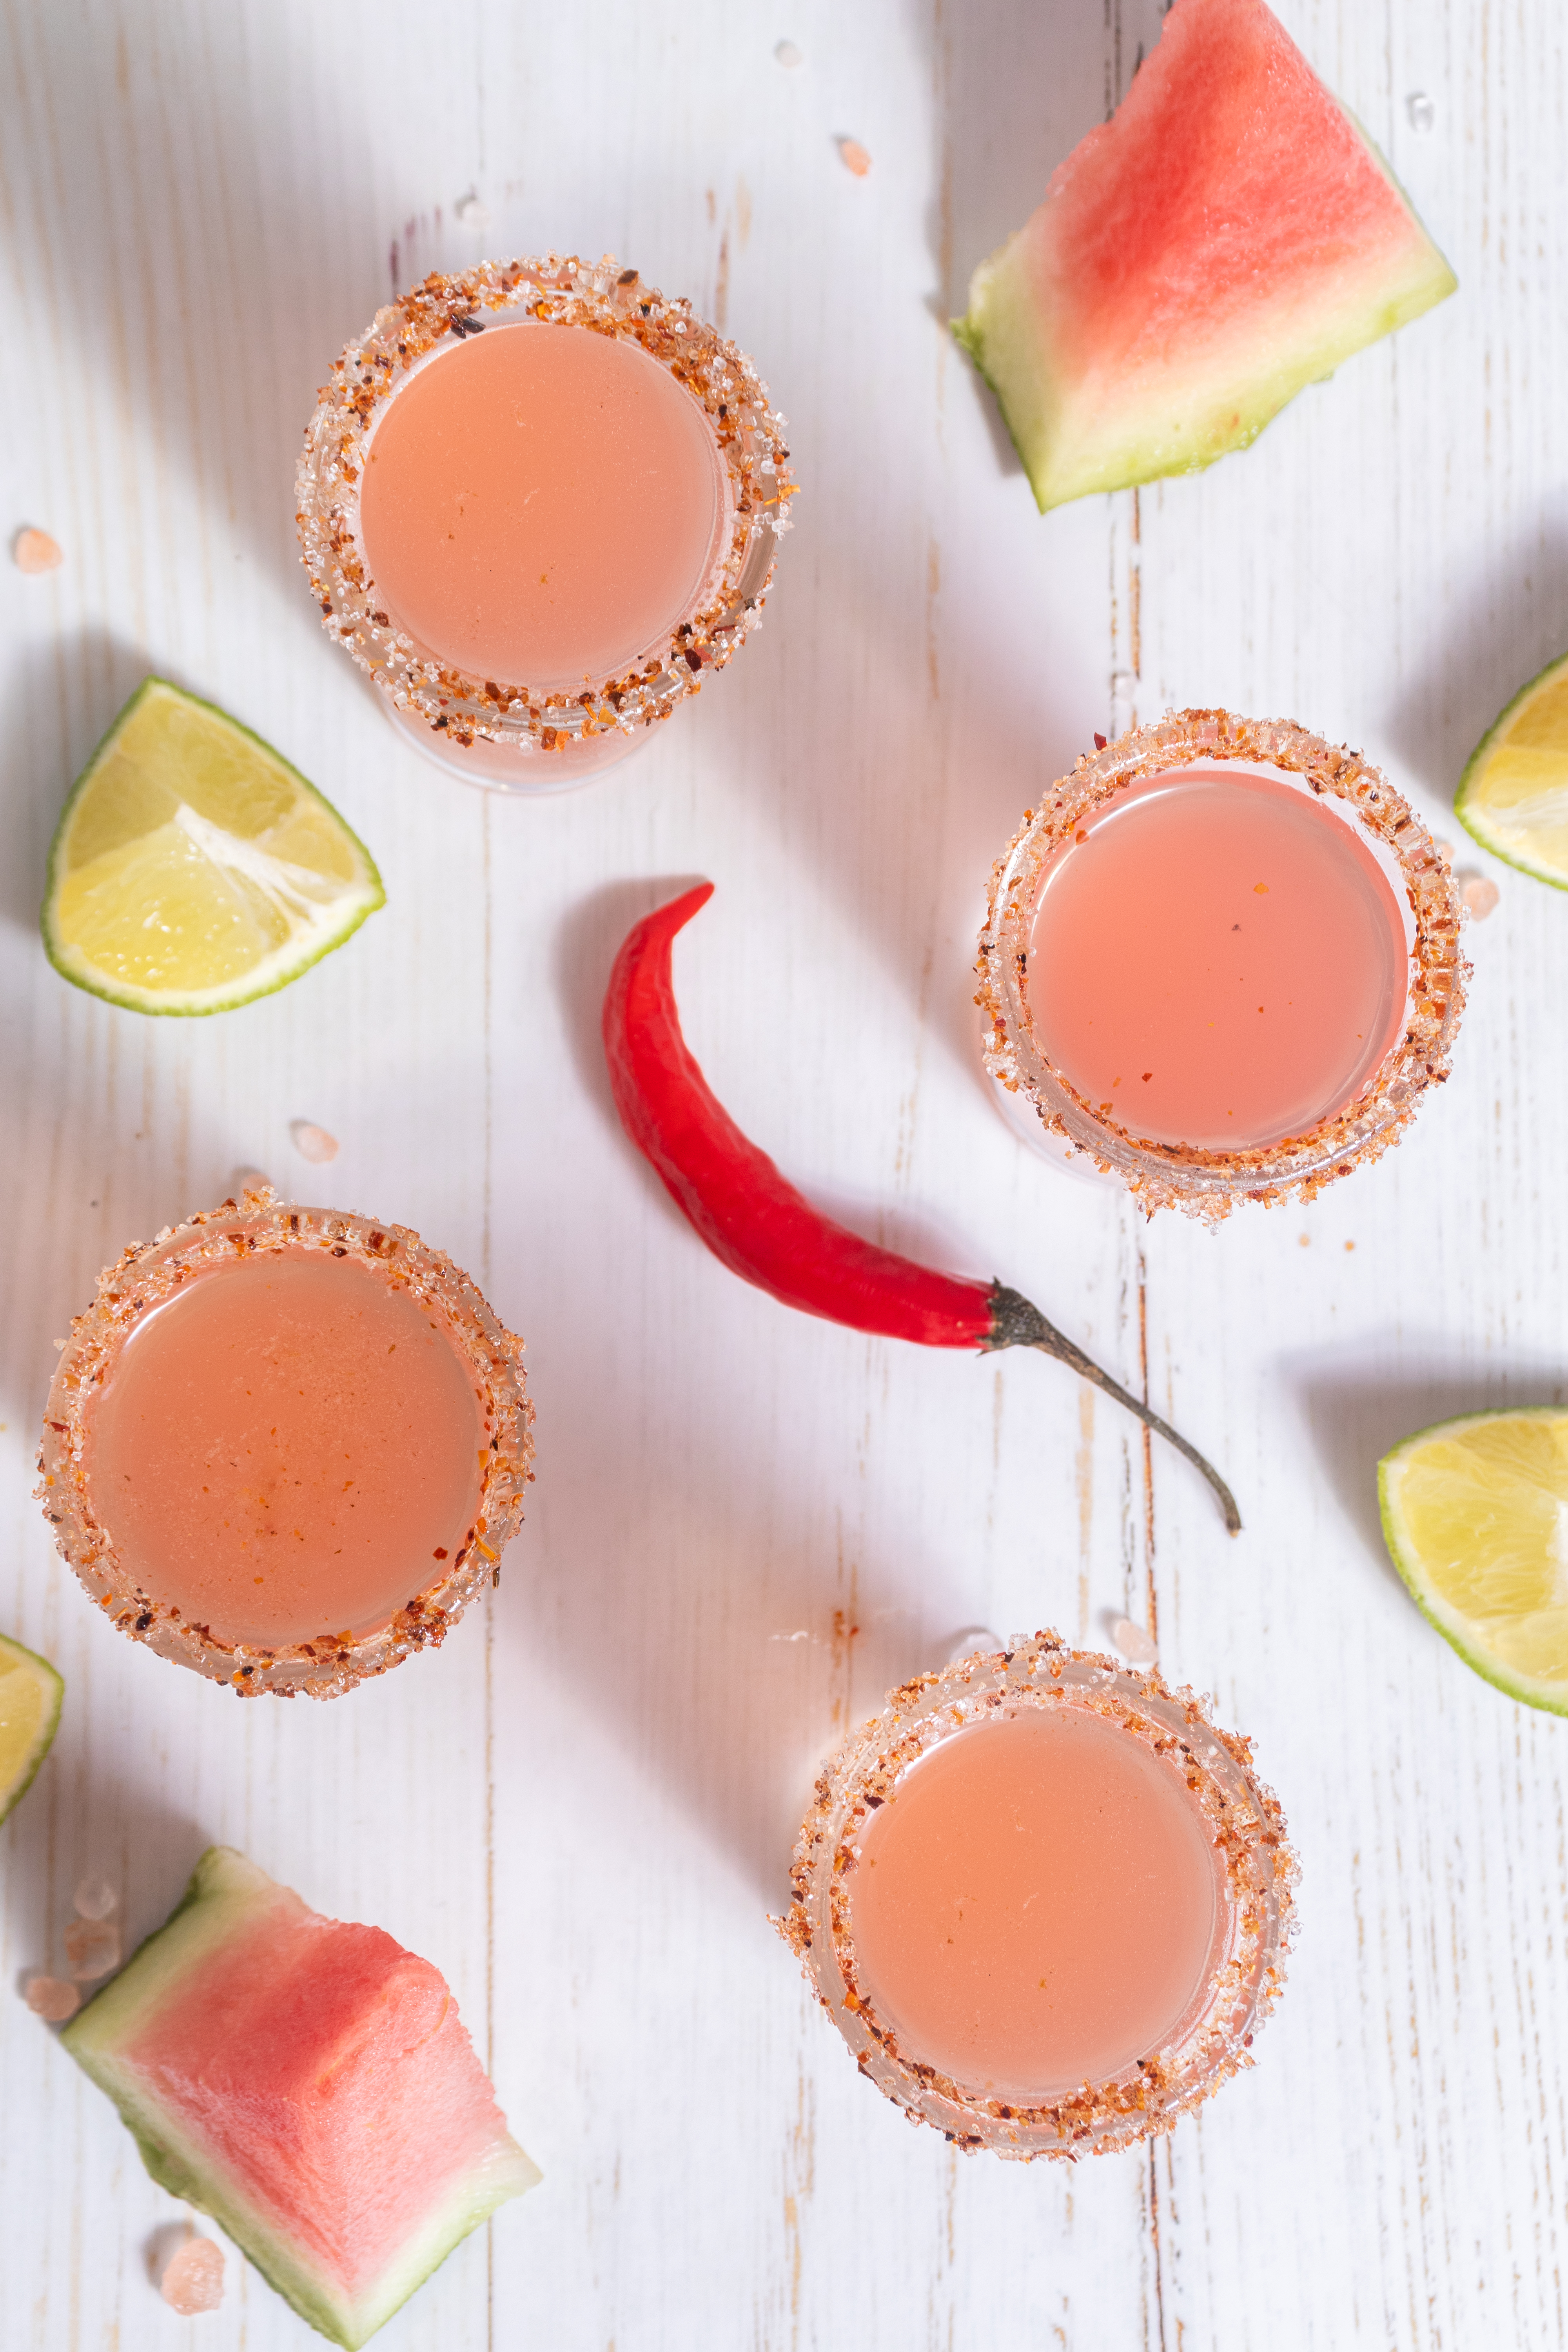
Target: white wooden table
748	1523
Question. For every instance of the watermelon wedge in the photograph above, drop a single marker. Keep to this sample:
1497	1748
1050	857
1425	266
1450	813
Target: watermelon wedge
1230	235
310	2085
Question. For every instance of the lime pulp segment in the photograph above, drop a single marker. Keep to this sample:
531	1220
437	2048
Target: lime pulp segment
194	869
30	1694
1514	794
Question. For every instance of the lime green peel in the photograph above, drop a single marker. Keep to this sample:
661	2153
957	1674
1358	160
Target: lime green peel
1475	1515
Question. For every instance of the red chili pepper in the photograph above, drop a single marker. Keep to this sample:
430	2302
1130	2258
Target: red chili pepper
753	1219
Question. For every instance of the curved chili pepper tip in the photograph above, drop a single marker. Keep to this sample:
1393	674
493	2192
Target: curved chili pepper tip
750	1216
756	1222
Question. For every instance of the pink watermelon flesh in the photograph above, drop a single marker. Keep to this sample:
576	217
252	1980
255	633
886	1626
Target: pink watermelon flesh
1230	235
311	2085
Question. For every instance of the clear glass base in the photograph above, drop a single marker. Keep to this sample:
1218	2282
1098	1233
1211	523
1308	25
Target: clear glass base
1024	1122
505	768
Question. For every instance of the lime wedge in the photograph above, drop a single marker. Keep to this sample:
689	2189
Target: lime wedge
30	1694
193	869
1475	1514
1514	794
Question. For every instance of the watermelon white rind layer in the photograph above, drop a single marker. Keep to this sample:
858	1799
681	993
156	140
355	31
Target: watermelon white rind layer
230	1904
1228	237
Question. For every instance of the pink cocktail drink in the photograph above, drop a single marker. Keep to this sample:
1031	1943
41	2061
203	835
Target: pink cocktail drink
1222	959
538	504
1216	959
1044	1900
286	1445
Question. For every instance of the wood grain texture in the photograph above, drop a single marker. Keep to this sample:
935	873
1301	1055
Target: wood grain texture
748	1523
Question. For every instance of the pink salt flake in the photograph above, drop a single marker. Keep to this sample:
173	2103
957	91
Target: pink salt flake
1480	895
92	1948
312	1142
854	157
52	1999
34	550
192	2280
1137	1645
94	1899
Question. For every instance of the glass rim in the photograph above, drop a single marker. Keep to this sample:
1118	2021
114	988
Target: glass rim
1210	2042
561	290
143	1276
1205	1182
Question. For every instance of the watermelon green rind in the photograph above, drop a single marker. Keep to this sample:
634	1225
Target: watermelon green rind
28	1661
227	1898
1130	334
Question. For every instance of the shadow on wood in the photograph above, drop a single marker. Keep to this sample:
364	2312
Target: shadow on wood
1511	620
1357	1404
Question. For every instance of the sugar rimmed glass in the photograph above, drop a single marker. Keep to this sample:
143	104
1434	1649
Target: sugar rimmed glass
1212	2040
1209	1183
145	1277
515	735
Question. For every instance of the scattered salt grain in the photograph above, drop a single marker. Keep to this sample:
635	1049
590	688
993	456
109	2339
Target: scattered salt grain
94	1899
1479	894
470	212
34	550
92	1948
854	157
312	1142
789	55
52	1998
1138	1646
193	2279
1421	109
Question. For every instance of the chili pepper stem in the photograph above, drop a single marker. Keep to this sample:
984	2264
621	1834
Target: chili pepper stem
1016	1322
